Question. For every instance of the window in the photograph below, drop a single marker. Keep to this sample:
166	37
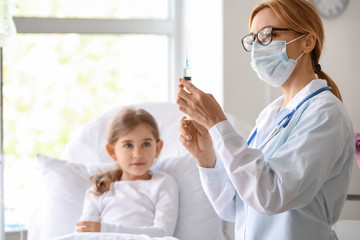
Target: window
117	9
70	62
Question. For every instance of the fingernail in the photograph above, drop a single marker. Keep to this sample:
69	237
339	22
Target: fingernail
187	137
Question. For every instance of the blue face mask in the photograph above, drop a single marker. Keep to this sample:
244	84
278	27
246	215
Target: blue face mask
271	62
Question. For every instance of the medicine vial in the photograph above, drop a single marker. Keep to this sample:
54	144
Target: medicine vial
187	73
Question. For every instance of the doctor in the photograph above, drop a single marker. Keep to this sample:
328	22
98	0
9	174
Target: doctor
289	180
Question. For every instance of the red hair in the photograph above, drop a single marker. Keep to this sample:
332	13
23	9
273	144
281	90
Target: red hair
301	16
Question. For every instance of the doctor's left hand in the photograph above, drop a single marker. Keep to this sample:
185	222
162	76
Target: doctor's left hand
197	140
88	226
199	106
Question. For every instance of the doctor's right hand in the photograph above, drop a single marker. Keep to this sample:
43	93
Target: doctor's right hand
201	107
197	140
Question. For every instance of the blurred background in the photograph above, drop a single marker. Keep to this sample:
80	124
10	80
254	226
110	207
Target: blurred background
71	61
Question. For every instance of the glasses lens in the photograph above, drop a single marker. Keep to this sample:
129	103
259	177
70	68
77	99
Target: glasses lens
247	42
264	36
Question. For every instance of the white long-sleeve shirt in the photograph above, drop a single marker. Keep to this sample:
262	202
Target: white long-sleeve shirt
296	186
137	207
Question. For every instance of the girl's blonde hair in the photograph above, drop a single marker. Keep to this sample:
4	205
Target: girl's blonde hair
302	17
123	122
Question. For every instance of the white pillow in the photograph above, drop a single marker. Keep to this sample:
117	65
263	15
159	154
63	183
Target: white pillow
87	143
197	218
66	184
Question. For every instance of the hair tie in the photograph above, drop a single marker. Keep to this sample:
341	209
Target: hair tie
317	68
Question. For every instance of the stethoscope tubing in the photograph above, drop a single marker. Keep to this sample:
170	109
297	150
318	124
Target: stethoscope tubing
285	120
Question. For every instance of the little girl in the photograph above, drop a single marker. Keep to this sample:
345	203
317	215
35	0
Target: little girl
131	198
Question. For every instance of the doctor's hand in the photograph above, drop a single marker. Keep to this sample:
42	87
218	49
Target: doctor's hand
197	140
199	106
88	226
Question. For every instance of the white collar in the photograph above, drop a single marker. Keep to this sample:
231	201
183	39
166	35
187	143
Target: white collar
306	91
303	93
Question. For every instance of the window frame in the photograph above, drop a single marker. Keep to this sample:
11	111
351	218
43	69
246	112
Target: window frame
172	27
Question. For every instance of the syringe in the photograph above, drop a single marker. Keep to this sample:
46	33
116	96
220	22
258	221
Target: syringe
187	74
187	69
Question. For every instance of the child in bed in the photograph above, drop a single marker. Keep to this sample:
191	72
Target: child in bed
131	198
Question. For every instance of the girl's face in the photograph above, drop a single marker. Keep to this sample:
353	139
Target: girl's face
135	152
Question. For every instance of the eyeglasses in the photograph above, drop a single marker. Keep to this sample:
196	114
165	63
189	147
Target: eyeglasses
264	37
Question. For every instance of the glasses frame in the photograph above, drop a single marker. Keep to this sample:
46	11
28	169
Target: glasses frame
255	36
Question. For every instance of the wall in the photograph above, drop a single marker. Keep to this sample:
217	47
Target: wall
203	38
245	95
243	92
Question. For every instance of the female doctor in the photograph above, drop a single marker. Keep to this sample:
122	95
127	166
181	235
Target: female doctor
290	178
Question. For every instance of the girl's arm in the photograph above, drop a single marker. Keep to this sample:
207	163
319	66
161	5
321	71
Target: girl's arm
88	226
90	218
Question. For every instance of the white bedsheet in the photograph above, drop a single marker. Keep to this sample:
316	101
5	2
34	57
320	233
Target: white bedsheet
109	236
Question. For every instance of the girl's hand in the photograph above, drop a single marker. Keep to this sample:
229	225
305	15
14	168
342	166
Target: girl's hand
200	106
197	140
88	226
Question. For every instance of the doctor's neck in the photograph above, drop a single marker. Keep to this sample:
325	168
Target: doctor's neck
302	75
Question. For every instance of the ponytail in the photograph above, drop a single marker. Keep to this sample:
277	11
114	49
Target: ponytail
102	180
330	83
322	75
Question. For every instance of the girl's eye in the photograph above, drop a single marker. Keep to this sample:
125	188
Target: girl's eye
146	144
128	145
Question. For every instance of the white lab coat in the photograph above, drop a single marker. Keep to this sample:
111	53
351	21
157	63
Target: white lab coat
296	187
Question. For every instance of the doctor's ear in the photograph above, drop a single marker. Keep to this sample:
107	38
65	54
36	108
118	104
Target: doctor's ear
310	41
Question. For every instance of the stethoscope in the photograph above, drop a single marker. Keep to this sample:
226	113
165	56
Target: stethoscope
285	121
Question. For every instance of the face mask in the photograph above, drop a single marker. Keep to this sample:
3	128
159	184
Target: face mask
271	62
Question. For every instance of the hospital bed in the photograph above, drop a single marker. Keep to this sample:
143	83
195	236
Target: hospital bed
66	180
